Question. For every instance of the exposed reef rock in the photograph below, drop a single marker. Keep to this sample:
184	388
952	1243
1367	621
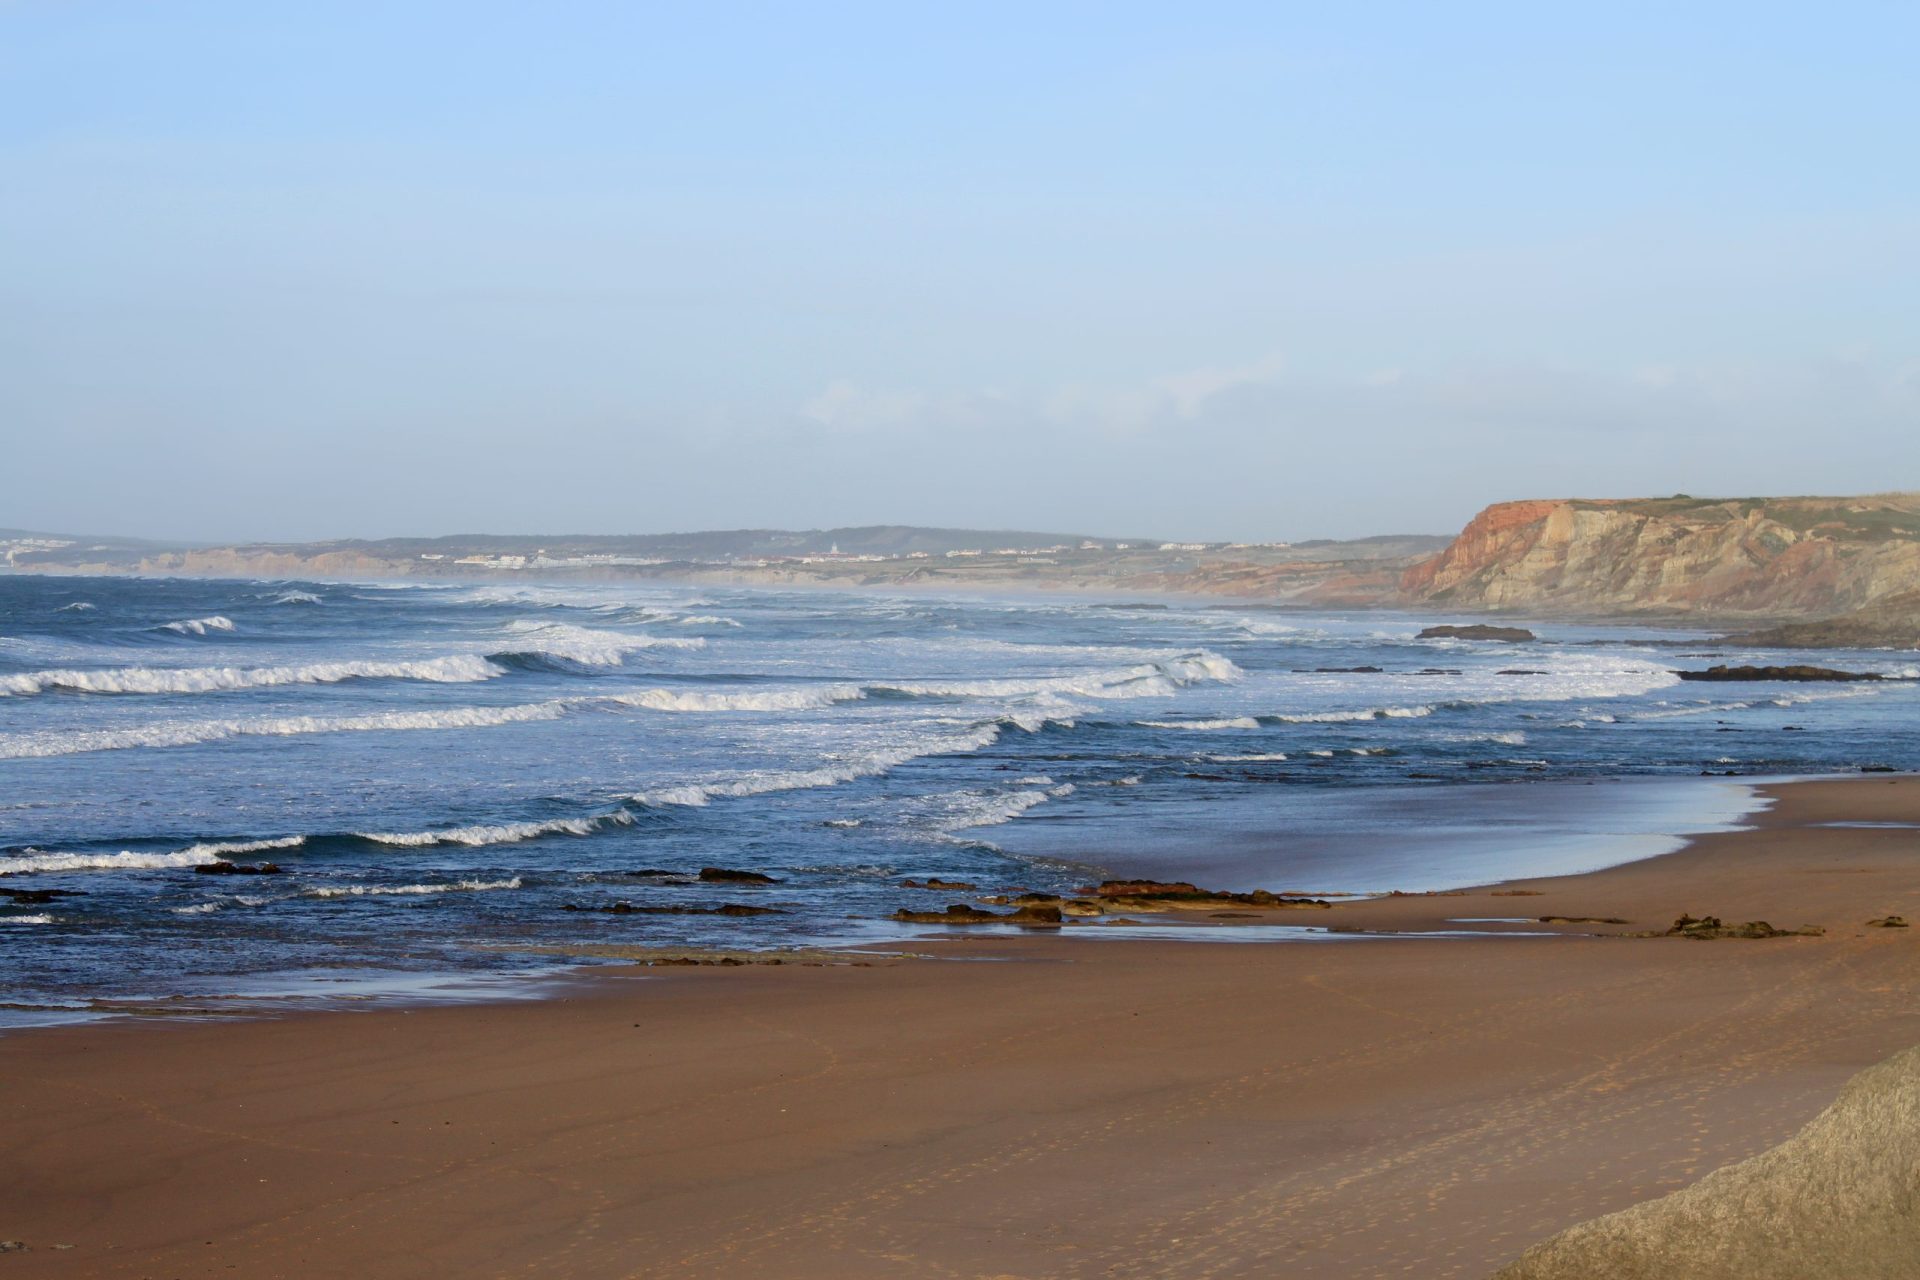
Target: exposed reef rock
935	882
1801	673
225	868
1888	922
726	875
38	897
1708	927
1752	557
1477	631
960	913
624	908
1178	895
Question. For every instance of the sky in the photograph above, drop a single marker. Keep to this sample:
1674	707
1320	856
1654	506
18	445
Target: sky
1205	270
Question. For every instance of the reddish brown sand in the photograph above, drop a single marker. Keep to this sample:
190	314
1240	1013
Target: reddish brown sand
1052	1106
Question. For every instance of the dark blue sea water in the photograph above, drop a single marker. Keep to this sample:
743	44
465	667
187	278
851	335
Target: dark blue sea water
441	769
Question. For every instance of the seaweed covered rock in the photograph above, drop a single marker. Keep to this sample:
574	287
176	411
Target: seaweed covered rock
1707	927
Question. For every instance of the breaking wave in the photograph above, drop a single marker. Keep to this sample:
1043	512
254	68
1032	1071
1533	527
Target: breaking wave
500	833
1228	722
198	626
455	669
584	645
192	856
22	746
1347	717
1157	679
411	890
806	699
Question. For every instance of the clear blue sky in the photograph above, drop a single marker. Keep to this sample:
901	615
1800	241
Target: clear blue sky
1212	270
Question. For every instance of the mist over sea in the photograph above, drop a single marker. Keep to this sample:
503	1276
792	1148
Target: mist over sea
442	770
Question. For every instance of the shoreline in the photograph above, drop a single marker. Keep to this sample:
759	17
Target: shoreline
1364	1106
1669	812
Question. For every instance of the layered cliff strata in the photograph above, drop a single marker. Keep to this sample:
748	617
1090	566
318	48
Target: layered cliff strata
1767	558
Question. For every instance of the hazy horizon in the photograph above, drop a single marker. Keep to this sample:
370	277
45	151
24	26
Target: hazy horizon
1226	273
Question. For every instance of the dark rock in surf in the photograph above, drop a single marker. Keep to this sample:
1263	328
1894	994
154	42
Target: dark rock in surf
225	868
727	875
1477	631
1795	673
38	897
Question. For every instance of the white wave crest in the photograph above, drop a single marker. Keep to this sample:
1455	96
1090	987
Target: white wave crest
42	918
192	856
1157	679
188	733
411	890
198	626
36	862
221	848
295	597
706	620
455	669
501	833
1254	757
77	606
1230	722
805	699
587	646
1346	717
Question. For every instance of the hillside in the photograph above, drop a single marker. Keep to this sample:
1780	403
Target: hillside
1761	558
1358	573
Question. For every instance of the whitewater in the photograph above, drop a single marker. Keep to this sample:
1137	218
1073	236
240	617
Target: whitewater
208	782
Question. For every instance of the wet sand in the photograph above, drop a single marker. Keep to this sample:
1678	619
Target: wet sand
1041	1106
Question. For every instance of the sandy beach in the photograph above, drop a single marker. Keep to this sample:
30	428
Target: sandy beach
1042	1106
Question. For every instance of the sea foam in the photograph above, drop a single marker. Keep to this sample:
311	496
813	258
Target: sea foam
454	669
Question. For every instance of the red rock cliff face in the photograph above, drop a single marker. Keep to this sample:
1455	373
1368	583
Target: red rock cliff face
1768	557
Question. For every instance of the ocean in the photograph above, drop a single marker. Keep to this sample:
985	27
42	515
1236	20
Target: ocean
455	777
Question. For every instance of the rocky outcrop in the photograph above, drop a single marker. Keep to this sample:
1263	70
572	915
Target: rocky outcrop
1891	623
1752	557
1794	673
1477	631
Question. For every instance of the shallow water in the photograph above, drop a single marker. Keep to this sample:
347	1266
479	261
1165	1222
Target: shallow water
441	769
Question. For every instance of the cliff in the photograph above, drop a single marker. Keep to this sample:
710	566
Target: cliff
1766	558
